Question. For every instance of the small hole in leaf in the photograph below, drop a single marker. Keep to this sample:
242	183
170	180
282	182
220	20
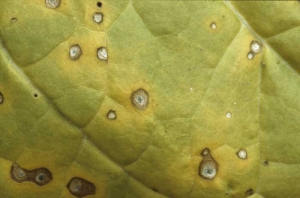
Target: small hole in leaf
99	4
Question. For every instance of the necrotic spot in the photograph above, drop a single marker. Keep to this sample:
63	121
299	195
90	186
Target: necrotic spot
52	3
139	99
41	176
250	55
208	170
249	192
242	154
208	167
1	98
111	115
255	47
213	25
75	52
266	163
98	17
18	174
80	187
228	115
99	4
102	53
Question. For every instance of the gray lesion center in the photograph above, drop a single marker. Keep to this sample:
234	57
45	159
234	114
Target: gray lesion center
140	100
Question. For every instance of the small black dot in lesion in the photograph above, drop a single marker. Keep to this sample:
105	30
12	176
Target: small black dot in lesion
41	176
266	163
99	4
249	192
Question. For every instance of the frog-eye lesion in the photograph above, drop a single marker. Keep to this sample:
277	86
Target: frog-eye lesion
18	174
40	176
208	167
111	115
80	187
75	52
52	3
140	99
98	17
102	53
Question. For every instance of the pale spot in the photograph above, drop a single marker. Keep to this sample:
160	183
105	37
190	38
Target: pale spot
191	88
98	17
255	47
205	152
234	103
111	115
52	3
242	154
228	115
75	52
250	56
102	53
213	25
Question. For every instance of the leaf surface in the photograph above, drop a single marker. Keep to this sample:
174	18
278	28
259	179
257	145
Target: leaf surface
204	92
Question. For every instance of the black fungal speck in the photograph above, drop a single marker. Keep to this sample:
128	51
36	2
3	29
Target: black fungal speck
249	192
266	163
99	4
